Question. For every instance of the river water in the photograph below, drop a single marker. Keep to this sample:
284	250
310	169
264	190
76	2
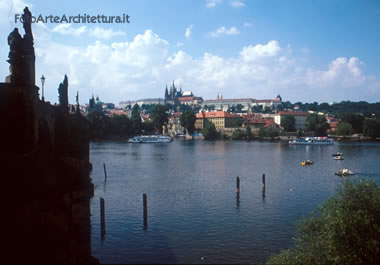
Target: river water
194	215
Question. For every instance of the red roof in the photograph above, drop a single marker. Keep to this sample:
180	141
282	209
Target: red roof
215	114
293	113
186	98
333	124
236	99
176	114
268	121
266	100
118	112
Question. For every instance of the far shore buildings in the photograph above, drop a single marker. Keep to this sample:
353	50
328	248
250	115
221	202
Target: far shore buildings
300	118
221	119
174	124
257	121
140	102
247	103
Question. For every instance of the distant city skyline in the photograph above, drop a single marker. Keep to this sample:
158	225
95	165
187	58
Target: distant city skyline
305	51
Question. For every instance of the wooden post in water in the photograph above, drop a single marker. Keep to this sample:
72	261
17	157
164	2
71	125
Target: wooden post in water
145	203
263	186
102	219
105	171
237	191
237	185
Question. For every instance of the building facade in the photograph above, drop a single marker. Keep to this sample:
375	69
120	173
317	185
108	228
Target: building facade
221	119
221	104
300	118
140	102
247	103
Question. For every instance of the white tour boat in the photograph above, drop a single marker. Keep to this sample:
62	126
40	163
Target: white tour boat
151	139
312	140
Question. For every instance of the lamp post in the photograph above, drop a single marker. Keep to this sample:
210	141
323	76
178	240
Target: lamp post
43	83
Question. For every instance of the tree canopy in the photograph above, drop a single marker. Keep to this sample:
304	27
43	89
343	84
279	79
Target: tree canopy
289	123
356	121
371	128
136	119
318	124
344	129
209	131
159	116
187	120
344	230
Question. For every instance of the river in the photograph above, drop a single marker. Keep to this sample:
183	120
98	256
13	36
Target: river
194	215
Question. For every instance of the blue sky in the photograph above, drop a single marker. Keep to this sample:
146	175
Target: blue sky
303	50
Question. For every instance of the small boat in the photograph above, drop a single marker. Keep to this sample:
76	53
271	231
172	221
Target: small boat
338	158
306	163
151	139
312	140
344	172
337	154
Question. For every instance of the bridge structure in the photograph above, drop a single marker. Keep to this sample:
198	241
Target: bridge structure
45	167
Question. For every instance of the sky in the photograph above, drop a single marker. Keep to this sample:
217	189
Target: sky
304	50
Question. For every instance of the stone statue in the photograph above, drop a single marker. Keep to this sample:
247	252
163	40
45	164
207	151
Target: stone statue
28	36
15	43
27	21
21	55
77	100
63	94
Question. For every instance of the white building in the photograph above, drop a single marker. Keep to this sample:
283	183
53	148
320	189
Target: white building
146	101
300	118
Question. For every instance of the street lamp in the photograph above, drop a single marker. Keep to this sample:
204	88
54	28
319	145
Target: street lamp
43	83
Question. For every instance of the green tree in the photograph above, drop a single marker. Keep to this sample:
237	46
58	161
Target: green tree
356	121
97	124
317	124
147	127
159	116
238	135
248	133
257	108
119	125
239	108
299	133
289	123
344	230
344	129
237	122
272	132
262	132
371	128
232	109
187	120
209	131
136	119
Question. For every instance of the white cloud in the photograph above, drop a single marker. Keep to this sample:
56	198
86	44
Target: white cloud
67	29
252	53
8	9
141	66
101	33
213	3
247	25
237	3
188	31
224	31
96	32
180	44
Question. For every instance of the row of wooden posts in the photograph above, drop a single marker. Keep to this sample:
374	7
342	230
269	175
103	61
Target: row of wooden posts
145	203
